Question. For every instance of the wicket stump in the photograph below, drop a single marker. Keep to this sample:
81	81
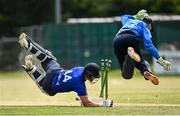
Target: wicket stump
105	67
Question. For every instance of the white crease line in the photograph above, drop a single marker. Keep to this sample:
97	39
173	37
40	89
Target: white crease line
156	105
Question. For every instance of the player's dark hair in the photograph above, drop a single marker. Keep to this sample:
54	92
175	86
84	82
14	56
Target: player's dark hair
149	21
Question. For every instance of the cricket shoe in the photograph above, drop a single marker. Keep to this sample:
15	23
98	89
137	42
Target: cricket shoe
151	77
133	54
28	63
23	40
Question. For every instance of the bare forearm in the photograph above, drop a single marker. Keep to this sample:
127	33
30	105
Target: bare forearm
95	102
91	104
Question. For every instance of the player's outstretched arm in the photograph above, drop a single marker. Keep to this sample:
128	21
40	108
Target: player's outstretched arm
88	102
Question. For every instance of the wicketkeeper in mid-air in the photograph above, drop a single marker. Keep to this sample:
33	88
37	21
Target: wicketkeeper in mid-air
136	29
56	79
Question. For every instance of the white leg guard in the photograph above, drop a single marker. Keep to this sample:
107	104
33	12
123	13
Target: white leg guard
40	53
37	76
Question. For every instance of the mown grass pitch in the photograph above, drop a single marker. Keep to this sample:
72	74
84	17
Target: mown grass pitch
19	95
58	110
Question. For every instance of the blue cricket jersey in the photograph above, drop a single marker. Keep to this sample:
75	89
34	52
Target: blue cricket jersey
70	80
141	31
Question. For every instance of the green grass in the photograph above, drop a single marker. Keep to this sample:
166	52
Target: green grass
20	96
57	110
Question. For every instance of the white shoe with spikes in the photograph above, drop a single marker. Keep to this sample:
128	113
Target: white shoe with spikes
28	62
23	41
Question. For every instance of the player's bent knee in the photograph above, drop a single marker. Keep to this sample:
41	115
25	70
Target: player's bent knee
127	76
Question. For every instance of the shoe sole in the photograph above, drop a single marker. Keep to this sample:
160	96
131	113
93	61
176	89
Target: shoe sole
152	78
22	40
133	54
28	61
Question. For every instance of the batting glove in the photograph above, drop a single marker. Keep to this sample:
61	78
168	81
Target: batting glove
141	15
106	103
166	64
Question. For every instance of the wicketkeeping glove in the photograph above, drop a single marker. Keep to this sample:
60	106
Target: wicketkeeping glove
166	64
106	103
141	15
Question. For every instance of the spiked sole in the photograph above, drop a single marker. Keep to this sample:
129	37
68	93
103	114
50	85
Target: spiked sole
133	54
22	40
151	77
28	62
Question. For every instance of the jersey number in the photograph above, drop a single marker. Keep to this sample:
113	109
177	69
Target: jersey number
67	77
